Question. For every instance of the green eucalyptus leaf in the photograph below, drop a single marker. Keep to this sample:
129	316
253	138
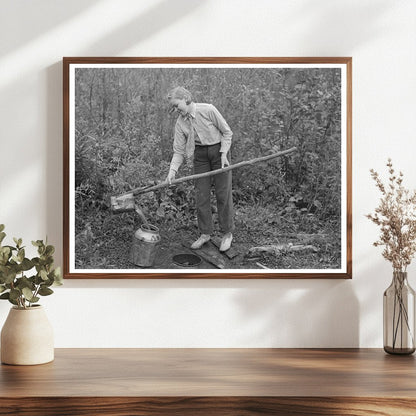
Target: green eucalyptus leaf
3	269
15	294
6	296
5	254
27	293
2	236
8	277
37	243
18	242
21	255
49	250
55	273
43	274
45	291
38	280
13	267
2	227
5	251
58	277
2	288
48	260
26	264
24	282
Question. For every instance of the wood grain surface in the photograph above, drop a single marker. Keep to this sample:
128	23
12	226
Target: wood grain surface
212	382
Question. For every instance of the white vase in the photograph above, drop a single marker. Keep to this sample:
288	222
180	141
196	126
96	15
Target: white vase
27	337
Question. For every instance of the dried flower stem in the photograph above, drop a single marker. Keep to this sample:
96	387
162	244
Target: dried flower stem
396	216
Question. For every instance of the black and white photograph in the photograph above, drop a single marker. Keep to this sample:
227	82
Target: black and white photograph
212	168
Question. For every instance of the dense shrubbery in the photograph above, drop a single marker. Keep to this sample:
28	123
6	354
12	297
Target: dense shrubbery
124	140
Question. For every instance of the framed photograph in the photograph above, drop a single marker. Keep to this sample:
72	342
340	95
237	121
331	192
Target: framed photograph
231	168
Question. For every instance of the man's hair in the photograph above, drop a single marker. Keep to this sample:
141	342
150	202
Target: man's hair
180	93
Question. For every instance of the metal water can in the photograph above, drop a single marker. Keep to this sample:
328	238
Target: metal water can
145	245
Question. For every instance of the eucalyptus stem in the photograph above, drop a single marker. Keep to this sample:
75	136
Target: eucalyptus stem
36	291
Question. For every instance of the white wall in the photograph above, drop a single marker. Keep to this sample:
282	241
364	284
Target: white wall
380	35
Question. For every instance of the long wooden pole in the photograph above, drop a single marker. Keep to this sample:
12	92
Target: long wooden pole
138	191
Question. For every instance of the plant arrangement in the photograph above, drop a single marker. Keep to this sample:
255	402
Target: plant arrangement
16	285
396	217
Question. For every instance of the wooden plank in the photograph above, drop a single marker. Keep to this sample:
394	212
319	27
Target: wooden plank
231	253
208	260
210	254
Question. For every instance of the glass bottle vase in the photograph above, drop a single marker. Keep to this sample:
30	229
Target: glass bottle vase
399	316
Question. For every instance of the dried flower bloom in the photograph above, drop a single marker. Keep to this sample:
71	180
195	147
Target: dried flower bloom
396	217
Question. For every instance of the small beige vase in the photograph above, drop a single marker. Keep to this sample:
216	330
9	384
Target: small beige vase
27	337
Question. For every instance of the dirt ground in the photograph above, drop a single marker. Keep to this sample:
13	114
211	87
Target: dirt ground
107	240
238	257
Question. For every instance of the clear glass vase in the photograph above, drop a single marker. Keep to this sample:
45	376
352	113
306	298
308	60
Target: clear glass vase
399	316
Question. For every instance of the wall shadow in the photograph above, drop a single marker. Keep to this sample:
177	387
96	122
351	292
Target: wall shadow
157	18
38	18
148	23
348	25
301	313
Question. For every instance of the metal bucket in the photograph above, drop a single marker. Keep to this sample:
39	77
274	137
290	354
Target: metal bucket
144	247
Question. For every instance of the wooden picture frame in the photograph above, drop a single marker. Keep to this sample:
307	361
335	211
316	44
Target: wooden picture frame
293	216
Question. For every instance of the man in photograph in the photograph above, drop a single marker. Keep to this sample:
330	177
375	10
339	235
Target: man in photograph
203	137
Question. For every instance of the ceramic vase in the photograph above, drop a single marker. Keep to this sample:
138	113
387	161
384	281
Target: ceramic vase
27	337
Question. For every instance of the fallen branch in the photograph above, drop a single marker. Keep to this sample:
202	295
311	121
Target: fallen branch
282	248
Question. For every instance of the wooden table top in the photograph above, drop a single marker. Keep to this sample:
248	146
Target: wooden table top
214	372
